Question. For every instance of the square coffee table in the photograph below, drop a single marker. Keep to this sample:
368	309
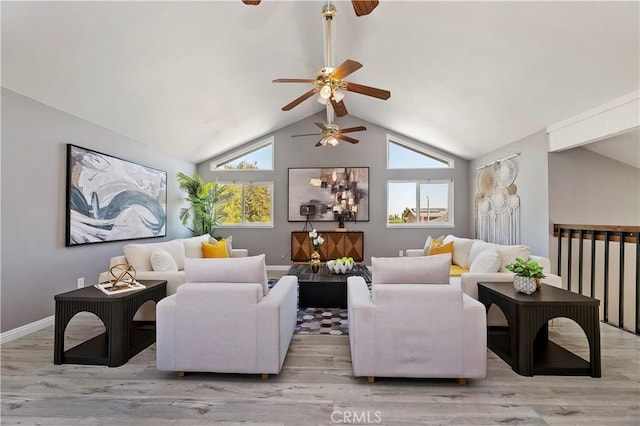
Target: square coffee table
324	289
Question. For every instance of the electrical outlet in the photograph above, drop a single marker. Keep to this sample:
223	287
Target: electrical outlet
80	282
401	253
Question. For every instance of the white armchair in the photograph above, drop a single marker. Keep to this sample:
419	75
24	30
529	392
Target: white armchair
414	323
223	319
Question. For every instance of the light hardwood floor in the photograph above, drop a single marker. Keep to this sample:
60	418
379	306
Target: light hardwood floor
315	387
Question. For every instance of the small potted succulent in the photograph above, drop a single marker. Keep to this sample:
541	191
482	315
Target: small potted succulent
528	274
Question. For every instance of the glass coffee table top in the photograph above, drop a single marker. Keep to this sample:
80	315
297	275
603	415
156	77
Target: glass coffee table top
304	274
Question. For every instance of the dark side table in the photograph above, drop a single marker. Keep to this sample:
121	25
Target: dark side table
123	337
525	345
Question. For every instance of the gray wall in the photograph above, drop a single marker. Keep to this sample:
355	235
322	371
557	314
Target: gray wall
35	263
590	189
532	183
370	152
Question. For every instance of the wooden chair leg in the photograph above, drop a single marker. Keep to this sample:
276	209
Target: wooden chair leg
462	381
180	373
371	379
265	376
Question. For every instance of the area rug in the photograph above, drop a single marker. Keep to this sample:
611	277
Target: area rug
331	321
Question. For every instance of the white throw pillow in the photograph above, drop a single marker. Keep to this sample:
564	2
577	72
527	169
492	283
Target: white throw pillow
162	261
250	269
508	255
193	245
478	247
411	270
461	250
487	261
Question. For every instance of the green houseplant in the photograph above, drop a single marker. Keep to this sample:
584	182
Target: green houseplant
203	197
528	274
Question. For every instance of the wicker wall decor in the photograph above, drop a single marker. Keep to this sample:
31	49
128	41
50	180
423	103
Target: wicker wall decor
497	206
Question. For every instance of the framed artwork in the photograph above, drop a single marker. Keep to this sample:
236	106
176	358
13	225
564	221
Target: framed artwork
110	199
329	194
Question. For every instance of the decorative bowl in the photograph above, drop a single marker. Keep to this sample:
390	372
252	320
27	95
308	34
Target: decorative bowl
337	266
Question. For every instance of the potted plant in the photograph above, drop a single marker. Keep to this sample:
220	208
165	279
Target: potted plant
528	274
204	197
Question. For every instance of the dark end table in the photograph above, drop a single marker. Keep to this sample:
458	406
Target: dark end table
123	337
525	343
324	289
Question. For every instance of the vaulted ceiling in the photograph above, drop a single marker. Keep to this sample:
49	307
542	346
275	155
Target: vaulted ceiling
194	78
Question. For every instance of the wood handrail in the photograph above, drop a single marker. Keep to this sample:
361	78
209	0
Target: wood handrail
630	231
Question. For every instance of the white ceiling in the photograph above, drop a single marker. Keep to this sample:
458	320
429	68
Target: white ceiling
624	148
194	78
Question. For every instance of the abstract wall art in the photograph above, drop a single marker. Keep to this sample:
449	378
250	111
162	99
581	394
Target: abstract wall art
110	199
328	194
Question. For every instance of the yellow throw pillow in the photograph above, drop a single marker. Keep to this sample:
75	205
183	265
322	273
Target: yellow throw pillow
440	248
215	250
457	271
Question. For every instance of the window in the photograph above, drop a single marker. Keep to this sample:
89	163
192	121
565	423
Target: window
250	204
257	156
416	203
407	155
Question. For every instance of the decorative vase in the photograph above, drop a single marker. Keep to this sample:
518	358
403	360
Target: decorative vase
526	285
315	261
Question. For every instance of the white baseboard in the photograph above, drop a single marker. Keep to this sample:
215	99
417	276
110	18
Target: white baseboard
10	335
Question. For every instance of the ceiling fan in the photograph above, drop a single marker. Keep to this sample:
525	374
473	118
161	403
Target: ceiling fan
332	132
329	81
361	7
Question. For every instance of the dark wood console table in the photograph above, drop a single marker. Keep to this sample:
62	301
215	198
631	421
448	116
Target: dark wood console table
123	337
525	344
336	245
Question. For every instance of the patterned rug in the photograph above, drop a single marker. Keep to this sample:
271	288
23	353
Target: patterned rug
320	320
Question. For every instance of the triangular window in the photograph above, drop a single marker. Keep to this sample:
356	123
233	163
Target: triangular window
258	156
406	155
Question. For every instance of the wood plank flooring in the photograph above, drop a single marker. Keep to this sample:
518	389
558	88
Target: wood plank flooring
315	387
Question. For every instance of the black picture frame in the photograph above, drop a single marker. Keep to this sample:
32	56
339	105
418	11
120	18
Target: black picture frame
332	191
111	199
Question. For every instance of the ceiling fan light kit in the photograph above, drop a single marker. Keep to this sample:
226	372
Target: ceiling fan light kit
329	81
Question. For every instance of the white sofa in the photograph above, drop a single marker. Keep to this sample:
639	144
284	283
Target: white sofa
413	323
163	261
484	262
224	319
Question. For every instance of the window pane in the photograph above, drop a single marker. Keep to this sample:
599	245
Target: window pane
434	202
257	208
231	208
260	159
402	157
401	203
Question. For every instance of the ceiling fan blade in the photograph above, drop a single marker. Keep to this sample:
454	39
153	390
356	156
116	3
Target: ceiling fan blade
293	80
319	143
300	99
339	107
347	67
364	7
322	126
347	138
353	129
308	134
257	2
369	91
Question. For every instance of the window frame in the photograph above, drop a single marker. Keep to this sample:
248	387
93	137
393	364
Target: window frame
420	149
244	224
450	204
217	164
